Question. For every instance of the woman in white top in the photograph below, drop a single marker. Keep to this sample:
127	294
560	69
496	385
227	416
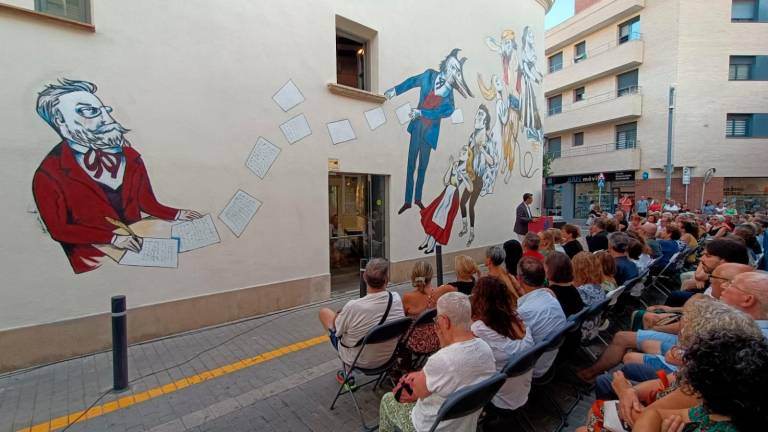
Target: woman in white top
494	312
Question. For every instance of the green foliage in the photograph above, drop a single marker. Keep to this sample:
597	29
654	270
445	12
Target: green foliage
546	169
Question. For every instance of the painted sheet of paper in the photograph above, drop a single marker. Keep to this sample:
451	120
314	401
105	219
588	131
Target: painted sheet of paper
195	234
403	113
262	157
375	117
154	252
239	212
341	131
288	96
296	128
457	116
611	417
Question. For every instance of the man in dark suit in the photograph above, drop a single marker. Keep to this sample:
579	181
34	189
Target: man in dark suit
91	175
598	236
523	216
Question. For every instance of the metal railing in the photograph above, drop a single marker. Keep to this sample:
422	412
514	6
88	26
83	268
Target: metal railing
595	51
596	99
583	150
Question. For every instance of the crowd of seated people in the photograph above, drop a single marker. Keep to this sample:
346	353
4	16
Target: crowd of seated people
695	362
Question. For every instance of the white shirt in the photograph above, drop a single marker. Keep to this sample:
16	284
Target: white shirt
79	152
543	314
456	366
354	321
514	393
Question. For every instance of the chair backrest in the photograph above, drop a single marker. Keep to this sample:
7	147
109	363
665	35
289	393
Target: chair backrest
388	331
525	361
613	296
554	340
426	317
469	399
681	258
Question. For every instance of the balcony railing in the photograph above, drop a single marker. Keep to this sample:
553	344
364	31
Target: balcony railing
596	51
583	150
596	99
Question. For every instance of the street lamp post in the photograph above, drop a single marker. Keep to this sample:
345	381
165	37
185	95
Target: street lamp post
670	116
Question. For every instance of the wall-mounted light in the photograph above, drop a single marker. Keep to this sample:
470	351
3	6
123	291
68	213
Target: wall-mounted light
360	52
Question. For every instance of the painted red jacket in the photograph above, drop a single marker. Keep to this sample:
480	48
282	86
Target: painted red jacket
74	206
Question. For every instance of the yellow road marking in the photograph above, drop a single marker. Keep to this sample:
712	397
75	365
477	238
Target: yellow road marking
133	399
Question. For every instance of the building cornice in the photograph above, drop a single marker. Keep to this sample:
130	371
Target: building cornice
546	4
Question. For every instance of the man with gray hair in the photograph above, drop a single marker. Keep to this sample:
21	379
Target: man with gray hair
347	327
92	182
748	292
462	361
618	242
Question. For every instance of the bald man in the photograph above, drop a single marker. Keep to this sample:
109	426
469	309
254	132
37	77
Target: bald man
648	231
748	292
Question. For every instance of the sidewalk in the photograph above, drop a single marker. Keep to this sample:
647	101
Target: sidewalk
270	373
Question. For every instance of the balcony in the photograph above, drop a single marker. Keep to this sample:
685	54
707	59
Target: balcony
603	60
600	15
595	158
599	109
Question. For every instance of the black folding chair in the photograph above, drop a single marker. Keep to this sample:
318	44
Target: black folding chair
426	317
387	332
666	275
469	399
593	317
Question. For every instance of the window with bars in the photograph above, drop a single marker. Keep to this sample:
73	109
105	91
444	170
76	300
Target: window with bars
626	83
555	62
578	94
553	147
555	104
738	125
629	30
740	68
626	136
580	52
77	10
578	139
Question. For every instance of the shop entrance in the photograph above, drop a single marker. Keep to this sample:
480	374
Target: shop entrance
357	224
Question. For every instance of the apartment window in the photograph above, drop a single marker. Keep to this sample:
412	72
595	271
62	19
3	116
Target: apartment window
629	30
553	147
578	94
351	61
740	68
555	104
77	10
626	136
744	10
626	83
580	52
578	139
738	125
555	62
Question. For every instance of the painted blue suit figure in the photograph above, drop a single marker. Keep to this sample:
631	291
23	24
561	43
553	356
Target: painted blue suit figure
435	103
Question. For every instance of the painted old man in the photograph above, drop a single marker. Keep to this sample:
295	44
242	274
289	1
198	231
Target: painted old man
92	175
435	103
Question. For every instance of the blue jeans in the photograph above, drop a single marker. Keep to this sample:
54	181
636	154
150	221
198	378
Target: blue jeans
636	373
419	149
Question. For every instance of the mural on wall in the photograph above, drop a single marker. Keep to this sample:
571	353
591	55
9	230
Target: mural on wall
528	76
92	181
435	104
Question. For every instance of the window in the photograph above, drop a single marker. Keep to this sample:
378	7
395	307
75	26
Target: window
77	10
580	52
738	125
741	68
578	94
578	139
629	30
556	62
744	10
553	147
555	104
626	83
626	136
351	61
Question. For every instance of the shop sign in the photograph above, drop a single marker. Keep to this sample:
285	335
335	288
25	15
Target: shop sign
593	178
686	175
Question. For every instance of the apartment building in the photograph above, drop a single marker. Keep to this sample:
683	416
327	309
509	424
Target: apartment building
618	69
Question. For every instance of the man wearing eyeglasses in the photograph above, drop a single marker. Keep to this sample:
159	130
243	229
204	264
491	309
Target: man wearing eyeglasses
92	174
748	292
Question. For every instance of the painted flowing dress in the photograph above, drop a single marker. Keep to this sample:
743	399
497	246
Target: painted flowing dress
437	218
526	80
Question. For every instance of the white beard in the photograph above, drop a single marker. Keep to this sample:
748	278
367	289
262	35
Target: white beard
110	136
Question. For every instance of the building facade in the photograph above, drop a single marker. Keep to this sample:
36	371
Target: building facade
217	161
611	69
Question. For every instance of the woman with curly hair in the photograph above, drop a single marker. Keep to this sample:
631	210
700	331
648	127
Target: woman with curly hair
496	321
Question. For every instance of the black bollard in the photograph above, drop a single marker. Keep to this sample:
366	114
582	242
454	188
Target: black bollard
363	286
119	344
439	259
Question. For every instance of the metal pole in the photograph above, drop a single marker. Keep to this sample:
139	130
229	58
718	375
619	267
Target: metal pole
119	344
686	193
363	286
439	259
668	183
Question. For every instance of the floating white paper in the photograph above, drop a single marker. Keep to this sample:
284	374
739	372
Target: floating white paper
457	116
375	118
341	131
262	157
403	113
288	96
195	234
239	212
154	253
296	128
611	417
